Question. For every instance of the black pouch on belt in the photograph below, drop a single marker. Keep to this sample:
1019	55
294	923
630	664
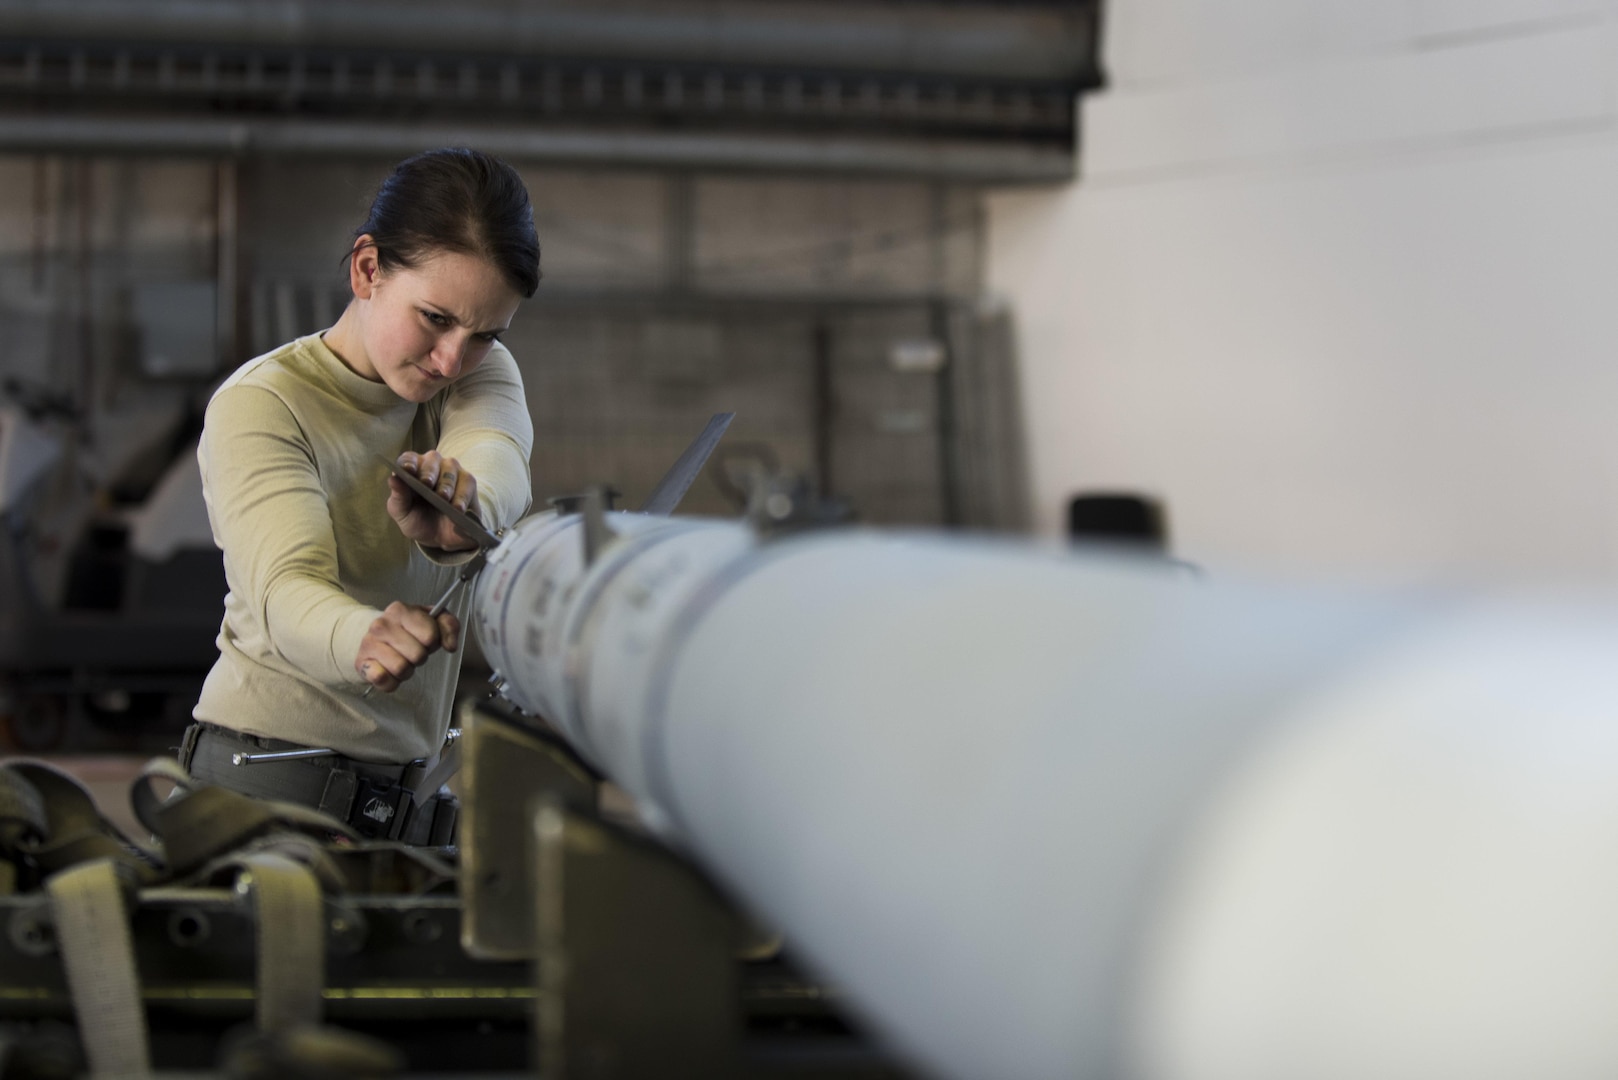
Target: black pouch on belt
379	810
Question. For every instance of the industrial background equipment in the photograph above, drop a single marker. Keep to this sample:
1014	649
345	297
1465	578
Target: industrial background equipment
745	205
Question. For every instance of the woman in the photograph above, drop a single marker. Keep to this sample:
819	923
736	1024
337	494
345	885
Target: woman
331	561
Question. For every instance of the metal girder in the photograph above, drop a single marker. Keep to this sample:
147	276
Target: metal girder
329	84
960	91
1031	40
962	160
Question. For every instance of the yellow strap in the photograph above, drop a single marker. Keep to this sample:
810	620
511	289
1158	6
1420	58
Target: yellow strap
291	940
92	928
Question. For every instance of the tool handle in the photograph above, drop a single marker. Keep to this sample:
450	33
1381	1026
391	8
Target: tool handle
443	601
281	755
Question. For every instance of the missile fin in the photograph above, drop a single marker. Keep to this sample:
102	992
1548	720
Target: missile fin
678	480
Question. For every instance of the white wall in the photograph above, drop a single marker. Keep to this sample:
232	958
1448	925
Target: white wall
1338	283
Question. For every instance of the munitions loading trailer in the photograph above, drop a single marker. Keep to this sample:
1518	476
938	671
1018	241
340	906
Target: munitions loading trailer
569	942
567	939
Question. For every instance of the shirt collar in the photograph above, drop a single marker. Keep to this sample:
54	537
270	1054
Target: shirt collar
372	397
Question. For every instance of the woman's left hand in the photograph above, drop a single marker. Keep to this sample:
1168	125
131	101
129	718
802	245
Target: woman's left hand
421	522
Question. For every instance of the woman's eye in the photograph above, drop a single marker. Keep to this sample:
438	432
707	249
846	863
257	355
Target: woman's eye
435	318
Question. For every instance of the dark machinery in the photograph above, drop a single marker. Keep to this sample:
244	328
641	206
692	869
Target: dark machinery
570	939
637	966
118	661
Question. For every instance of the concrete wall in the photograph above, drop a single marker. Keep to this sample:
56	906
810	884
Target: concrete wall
85	247
670	296
607	233
77	238
667	296
1338	283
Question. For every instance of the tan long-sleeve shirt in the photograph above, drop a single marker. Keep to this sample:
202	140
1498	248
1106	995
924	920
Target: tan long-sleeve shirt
294	457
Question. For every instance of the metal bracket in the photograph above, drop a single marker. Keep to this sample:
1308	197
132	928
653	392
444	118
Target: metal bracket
787	503
636	959
505	767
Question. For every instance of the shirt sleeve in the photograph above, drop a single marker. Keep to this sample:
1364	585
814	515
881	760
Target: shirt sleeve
268	511
486	427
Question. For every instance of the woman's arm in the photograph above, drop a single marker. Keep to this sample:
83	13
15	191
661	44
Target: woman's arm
487	429
268	510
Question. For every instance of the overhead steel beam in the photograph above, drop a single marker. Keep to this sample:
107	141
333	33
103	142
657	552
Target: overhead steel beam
1019	41
62	77
1011	162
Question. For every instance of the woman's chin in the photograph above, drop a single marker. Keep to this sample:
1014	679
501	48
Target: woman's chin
416	388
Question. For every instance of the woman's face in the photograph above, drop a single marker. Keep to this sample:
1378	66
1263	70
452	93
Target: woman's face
426	326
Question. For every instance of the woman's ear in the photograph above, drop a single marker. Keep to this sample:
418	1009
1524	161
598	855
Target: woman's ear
364	268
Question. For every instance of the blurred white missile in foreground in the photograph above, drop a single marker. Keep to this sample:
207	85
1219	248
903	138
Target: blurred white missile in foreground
1069	815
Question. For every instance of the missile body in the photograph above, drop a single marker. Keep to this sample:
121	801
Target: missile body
1046	814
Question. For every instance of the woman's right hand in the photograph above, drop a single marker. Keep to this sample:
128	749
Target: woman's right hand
400	640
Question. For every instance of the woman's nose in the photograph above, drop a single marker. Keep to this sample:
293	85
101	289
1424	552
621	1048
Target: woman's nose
448	357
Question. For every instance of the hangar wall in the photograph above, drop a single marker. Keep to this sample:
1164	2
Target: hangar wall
129	284
1338	283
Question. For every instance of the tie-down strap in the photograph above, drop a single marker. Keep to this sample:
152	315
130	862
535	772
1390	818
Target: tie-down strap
92	931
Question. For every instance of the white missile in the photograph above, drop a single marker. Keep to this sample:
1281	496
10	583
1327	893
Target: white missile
1050	814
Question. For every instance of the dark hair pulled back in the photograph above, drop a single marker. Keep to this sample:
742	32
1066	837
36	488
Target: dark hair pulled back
456	200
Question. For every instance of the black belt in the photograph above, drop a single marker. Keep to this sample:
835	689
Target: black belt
384	801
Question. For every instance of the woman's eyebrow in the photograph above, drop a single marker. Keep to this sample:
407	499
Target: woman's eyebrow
440	309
